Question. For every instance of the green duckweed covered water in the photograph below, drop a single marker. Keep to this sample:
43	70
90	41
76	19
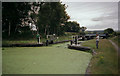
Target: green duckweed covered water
54	59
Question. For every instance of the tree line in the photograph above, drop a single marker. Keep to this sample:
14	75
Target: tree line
49	18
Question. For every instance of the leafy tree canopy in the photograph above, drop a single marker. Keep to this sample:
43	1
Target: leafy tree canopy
51	16
109	31
72	26
14	13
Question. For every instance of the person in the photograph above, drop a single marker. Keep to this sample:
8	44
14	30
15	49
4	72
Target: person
38	38
97	40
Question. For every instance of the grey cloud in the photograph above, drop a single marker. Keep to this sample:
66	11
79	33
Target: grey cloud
100	15
97	19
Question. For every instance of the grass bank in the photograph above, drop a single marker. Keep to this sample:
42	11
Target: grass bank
116	39
106	59
33	41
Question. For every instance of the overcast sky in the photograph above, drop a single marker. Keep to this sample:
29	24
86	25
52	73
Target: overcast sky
94	15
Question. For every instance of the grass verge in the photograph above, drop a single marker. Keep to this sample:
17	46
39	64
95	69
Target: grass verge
106	59
33	41
116	40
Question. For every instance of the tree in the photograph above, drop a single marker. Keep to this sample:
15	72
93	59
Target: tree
72	26
109	30
14	13
51	16
82	30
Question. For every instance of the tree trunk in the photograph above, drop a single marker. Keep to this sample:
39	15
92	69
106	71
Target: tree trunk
45	30
9	29
54	30
48	31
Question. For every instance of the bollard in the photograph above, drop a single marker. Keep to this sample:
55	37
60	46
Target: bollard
51	41
47	42
71	42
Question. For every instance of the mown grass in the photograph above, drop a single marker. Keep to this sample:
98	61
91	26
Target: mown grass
106	59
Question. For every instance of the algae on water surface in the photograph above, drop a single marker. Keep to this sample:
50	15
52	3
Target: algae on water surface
55	59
